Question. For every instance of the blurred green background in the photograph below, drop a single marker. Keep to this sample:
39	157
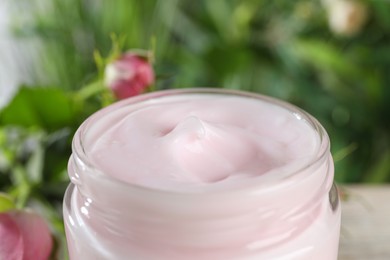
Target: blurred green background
330	57
284	49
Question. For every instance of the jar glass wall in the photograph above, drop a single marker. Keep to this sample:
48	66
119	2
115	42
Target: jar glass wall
286	213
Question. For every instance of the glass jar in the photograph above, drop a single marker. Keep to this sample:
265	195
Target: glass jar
296	216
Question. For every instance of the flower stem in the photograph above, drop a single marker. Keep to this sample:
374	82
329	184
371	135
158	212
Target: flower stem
90	90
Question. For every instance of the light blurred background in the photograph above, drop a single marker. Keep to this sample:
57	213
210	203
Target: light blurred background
330	57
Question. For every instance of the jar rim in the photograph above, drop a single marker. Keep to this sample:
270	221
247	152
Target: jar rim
322	152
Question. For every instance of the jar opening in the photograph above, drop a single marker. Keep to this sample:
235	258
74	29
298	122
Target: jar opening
89	132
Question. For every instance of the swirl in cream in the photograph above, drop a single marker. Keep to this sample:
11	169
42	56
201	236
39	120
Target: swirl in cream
197	143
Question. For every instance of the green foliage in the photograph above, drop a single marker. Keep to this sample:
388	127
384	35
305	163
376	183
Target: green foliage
50	108
33	171
279	48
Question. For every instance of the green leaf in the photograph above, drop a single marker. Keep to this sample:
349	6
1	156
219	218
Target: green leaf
22	186
6	203
50	108
35	164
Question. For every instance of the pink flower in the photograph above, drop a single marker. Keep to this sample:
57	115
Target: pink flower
11	242
129	75
24	235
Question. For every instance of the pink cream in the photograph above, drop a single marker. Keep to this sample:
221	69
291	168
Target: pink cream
202	175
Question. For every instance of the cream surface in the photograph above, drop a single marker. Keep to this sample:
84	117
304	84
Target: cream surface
197	143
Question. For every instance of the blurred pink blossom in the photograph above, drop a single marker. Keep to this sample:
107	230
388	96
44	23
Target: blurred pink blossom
24	235
129	75
11	242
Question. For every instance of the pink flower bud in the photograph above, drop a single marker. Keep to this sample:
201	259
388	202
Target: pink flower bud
129	75
24	235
